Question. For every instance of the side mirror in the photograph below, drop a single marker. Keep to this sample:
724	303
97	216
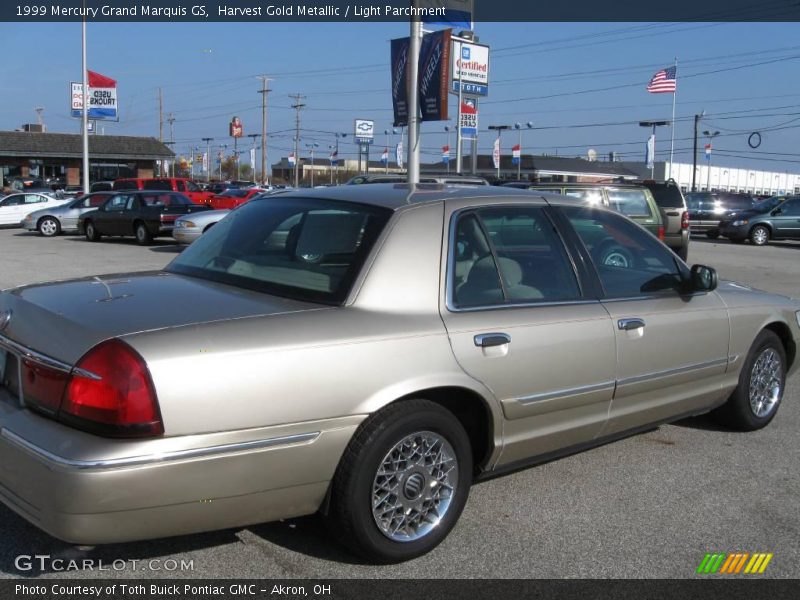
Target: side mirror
704	279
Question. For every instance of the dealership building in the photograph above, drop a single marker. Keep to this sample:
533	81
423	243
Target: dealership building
57	157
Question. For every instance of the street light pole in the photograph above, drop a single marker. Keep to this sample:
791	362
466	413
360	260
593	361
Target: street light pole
311	148
694	153
413	105
710	136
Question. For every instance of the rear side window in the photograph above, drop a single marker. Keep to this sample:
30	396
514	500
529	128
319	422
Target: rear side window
737	202
631	203
509	255
592	196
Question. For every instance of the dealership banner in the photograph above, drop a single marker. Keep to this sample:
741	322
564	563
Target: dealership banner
399	63
434	62
102	98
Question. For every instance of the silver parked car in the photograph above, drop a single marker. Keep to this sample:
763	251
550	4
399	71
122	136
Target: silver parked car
190	227
63	218
366	352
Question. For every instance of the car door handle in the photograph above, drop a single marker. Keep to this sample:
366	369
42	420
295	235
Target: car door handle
630	324
487	340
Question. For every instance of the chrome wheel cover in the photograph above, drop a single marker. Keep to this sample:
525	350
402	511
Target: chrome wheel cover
414	486
141	233
48	227
760	236
90	230
765	383
616	259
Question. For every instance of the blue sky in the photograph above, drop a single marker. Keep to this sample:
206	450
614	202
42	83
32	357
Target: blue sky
547	73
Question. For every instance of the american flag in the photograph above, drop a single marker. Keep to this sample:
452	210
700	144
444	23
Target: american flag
663	82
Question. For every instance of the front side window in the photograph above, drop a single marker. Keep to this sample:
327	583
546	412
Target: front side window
790	208
192	186
117	202
509	255
157	184
629	261
300	248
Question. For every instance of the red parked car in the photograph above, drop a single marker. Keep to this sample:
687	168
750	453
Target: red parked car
187	187
233	197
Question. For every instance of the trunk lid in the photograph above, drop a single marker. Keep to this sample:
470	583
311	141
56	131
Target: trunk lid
65	319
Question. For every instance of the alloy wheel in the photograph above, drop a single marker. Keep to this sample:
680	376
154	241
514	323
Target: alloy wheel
48	227
765	383
414	486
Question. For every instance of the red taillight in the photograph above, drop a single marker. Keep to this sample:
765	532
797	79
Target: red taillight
661	232
111	393
168	218
685	220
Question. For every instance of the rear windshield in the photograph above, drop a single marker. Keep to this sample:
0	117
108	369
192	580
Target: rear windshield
667	196
157	184
164	200
631	203
125	185
235	193
300	248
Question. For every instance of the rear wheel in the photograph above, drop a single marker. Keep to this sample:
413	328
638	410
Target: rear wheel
91	232
759	235
402	482
48	226
754	402
143	235
683	252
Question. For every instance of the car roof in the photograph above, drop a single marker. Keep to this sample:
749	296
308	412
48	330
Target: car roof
586	184
397	195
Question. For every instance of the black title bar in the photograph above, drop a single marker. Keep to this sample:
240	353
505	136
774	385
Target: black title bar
396	10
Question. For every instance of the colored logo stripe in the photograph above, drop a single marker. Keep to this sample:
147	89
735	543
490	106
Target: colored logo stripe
733	563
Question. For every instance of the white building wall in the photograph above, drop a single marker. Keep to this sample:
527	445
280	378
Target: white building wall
734	179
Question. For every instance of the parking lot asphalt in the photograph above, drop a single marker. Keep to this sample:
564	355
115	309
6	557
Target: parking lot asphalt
649	506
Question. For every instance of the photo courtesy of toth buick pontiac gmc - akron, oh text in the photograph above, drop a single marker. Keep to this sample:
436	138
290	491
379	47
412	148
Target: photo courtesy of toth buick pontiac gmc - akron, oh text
365	352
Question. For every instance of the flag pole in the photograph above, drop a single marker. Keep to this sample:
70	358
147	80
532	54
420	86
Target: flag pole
85	109
672	139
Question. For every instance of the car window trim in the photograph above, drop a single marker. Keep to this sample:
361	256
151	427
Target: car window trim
450	265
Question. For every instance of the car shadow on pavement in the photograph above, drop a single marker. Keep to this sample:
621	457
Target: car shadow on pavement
171	249
24	541
704	422
308	536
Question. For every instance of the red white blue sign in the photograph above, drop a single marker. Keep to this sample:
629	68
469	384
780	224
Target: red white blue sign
469	118
102	98
708	151
385	156
445	154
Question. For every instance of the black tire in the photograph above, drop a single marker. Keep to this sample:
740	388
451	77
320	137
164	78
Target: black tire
143	235
91	232
712	234
350	515
738	412
49	226
759	235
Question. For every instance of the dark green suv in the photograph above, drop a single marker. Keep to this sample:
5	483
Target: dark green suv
776	218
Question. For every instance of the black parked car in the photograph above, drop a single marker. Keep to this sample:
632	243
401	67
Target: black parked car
143	214
776	218
707	209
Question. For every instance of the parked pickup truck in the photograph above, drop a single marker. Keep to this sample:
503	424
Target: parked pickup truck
187	187
145	215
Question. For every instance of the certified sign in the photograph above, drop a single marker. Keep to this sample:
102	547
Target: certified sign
470	68
364	131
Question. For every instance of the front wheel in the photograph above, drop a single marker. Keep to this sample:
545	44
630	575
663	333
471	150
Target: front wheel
754	402
49	227
402	482
759	235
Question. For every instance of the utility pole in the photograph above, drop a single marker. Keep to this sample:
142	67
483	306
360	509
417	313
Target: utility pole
264	91
208	141
297	106
415	40
171	120
160	126
694	153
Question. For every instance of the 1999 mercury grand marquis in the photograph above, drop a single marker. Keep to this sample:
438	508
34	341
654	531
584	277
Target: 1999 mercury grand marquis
365	351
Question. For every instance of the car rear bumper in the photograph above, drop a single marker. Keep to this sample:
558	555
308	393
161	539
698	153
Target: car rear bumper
89	490
676	241
703	226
